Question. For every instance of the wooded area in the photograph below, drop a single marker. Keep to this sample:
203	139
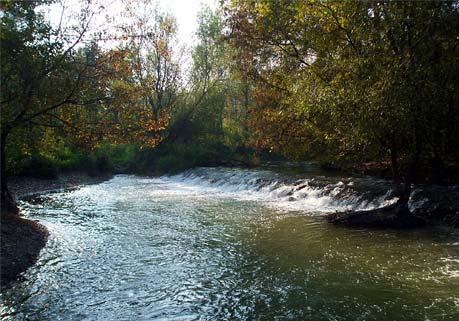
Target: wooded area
342	82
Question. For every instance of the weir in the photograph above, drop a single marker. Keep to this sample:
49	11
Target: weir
318	193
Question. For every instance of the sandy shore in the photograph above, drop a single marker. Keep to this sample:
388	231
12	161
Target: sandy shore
22	239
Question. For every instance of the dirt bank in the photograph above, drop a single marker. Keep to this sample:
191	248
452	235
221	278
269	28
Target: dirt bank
21	241
22	186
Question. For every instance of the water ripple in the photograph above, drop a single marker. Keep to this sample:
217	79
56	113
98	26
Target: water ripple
177	248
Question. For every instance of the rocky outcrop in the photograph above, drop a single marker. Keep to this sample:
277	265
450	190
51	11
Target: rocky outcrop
437	205
429	205
392	216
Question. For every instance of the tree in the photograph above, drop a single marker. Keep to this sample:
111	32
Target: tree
35	58
154	55
199	107
55	86
361	80
127	117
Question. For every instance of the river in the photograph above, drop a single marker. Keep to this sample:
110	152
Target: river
231	244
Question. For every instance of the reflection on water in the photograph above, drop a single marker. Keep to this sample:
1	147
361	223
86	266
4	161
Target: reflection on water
196	247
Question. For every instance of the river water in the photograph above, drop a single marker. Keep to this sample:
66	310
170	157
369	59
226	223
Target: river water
231	244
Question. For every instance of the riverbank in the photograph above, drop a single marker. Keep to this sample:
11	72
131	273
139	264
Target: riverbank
21	242
23	239
446	175
22	186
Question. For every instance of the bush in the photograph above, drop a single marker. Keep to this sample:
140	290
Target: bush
107	158
40	166
120	158
172	158
69	160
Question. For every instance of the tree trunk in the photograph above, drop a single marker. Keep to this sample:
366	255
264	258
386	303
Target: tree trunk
246	109
8	204
403	186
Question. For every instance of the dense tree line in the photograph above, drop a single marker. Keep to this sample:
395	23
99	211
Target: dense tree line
354	80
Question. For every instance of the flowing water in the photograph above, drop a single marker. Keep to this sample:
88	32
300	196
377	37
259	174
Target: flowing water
231	244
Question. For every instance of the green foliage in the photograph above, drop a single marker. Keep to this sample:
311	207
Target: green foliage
351	81
343	81
108	158
118	158
41	166
177	157
210	125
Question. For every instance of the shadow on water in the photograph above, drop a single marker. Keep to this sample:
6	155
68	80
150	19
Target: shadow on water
328	273
187	248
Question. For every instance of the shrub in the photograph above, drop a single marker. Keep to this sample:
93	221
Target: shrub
40	166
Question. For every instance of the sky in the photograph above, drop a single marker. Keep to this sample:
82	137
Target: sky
185	11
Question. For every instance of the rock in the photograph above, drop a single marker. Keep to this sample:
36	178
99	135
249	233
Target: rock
438	205
392	216
300	187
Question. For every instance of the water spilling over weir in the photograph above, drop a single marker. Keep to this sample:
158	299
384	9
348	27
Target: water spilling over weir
317	193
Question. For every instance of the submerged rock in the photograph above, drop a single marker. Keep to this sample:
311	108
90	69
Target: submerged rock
437	205
392	216
431	205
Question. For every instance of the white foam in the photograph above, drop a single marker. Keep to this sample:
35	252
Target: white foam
273	190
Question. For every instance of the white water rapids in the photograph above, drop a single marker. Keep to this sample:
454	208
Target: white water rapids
314	195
